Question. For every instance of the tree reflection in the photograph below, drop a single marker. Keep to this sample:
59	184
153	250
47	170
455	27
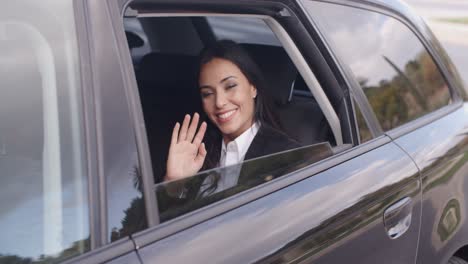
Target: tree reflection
412	92
135	215
77	247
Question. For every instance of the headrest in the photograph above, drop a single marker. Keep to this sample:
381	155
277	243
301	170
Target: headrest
278	70
164	79
169	70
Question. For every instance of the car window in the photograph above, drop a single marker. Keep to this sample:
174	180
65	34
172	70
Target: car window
43	183
392	66
364	131
242	30
173	86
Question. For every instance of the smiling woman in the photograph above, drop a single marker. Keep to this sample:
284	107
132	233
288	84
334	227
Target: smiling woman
229	83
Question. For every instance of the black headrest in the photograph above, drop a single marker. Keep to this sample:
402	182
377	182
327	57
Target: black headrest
277	68
169	70
164	79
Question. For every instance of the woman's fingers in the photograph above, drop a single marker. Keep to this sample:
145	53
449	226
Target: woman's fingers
193	127
200	134
175	134
183	129
201	154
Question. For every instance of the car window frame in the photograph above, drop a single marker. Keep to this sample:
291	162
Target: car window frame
159	231
101	250
361	100
90	135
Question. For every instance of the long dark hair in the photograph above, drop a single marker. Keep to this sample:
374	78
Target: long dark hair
235	53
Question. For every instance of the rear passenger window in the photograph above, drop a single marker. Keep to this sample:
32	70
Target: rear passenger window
256	116
396	72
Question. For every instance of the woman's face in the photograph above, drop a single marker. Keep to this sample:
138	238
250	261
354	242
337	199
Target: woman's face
227	97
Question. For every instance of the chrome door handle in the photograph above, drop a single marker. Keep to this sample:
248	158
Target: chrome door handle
397	218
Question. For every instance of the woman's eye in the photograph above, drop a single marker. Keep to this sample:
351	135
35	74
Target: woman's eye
206	94
231	85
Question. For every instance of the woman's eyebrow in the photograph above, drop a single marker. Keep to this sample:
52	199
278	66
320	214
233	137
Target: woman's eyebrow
206	86
225	79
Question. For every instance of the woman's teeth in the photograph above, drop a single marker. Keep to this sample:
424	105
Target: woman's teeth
227	114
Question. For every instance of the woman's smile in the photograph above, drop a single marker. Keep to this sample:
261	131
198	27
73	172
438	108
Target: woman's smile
226	116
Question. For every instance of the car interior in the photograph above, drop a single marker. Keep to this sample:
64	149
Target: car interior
164	52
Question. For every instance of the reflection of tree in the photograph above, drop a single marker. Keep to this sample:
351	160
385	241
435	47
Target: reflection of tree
406	82
364	132
13	259
77	248
133	221
135	215
449	220
415	90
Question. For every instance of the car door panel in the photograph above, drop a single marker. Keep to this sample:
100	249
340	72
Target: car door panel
440	149
129	258
322	214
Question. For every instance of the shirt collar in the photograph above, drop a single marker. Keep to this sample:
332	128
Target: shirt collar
242	143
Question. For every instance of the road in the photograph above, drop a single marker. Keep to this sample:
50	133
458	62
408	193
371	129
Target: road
453	36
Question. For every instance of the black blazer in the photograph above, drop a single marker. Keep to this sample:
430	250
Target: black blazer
268	140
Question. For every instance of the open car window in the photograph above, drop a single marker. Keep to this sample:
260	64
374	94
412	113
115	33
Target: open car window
168	83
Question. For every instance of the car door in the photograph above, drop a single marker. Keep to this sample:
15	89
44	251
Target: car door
440	151
361	204
334	211
431	124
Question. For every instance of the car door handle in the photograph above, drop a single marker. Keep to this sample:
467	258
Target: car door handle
397	218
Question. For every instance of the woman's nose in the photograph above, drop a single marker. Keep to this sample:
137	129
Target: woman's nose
220	100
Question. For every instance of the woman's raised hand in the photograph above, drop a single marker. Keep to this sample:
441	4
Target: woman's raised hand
186	152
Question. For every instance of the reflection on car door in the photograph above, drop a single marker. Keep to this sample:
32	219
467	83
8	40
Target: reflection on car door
335	214
440	149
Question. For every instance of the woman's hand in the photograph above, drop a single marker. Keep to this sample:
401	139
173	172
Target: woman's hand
186	152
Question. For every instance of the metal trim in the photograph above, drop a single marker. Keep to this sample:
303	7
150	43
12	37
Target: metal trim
136	114
89	120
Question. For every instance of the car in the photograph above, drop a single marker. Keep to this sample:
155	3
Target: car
91	91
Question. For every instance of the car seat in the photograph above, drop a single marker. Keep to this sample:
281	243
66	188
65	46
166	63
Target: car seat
299	114
168	90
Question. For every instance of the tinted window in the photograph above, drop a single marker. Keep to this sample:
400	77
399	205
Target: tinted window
43	183
397	74
364	131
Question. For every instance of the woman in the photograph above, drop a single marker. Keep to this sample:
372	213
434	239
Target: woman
240	124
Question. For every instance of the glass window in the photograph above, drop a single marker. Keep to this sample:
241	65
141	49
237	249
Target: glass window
43	184
364	131
397	74
261	120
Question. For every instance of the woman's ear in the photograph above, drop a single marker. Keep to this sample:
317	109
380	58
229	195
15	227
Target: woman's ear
253	91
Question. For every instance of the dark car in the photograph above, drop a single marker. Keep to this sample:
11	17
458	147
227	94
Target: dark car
91	91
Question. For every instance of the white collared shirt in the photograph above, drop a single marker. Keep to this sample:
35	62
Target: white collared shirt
231	154
234	152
